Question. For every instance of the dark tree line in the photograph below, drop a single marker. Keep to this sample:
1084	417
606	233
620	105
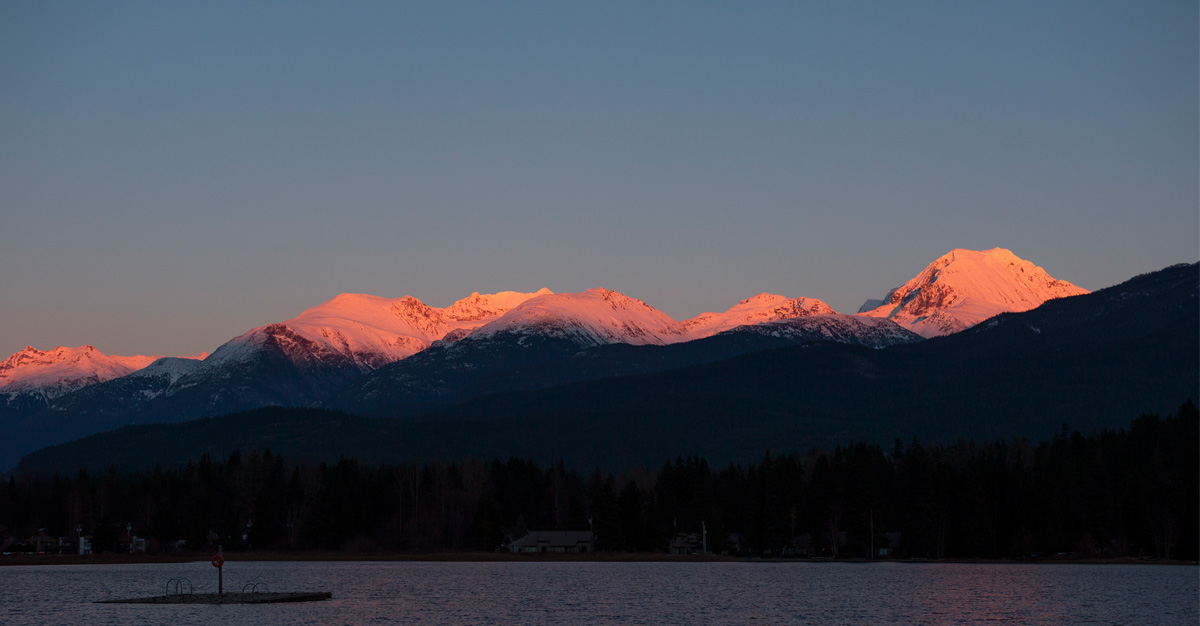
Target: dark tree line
1133	492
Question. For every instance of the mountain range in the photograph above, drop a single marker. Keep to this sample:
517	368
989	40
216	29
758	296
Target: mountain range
401	358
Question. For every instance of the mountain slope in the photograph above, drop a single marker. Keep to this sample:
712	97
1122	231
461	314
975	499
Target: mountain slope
369	331
965	287
594	317
764	307
1087	361
293	363
402	358
54	373
540	330
526	358
300	361
32	379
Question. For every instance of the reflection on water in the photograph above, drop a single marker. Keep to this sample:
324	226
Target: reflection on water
619	593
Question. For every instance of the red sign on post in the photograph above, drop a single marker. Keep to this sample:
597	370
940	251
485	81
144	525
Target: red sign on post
218	560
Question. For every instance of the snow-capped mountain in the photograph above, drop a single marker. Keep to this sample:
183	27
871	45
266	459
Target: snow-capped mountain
539	331
300	361
367	331
561	338
869	332
1016	375
594	317
764	307
600	316
965	287
400	356
170	369
476	307
47	375
127	392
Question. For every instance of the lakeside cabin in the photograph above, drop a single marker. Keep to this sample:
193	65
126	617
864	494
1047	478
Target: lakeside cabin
581	541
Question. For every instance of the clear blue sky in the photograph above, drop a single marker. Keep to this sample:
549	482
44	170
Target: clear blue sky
173	174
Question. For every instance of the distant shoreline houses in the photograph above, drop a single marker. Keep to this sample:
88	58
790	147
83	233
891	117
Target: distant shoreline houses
583	542
42	543
561	541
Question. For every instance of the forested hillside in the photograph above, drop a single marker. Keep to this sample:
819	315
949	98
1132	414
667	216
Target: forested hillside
1129	492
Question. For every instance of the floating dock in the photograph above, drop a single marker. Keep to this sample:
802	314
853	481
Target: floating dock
227	598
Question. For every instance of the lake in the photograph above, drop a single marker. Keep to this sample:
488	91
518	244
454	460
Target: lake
617	593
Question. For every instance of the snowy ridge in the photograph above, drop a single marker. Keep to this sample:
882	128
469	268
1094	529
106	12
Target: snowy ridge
155	379
870	304
965	287
601	316
54	373
870	332
477	307
171	367
764	307
368	331
594	317
358	333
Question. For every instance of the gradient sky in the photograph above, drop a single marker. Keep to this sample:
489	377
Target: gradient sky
173	174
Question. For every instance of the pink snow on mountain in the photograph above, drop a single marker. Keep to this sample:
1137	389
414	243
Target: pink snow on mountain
61	370
965	287
596	316
373	331
958	290
764	307
477	307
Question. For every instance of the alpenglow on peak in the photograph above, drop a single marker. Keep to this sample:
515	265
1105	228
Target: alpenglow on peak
964	287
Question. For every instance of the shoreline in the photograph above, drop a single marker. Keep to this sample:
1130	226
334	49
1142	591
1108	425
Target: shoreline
508	557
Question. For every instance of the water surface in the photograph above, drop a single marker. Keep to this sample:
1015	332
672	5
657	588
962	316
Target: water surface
618	593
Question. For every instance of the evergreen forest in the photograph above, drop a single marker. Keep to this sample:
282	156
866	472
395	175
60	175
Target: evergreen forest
1133	492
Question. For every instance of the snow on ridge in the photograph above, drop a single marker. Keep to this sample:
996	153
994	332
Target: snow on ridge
477	307
601	316
374	331
871	304
173	368
596	316
872	332
53	373
957	290
368	331
762	308
964	287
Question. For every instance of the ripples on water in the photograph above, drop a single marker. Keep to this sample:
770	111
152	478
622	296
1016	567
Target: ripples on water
618	593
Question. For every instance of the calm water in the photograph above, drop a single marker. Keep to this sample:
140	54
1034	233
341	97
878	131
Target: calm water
619	593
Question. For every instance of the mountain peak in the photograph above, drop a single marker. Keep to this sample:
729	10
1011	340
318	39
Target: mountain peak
594	317
964	287
52	373
369	331
477	307
764	298
759	309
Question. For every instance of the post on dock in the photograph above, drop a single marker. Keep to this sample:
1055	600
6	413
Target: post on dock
218	561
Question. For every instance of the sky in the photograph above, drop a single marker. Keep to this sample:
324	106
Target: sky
174	174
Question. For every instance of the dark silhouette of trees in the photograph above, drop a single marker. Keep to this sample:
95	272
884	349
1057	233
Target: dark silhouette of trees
1131	492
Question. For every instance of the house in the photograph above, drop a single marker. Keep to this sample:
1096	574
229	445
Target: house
685	543
893	544
42	542
132	543
802	545
68	545
829	546
734	544
555	541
